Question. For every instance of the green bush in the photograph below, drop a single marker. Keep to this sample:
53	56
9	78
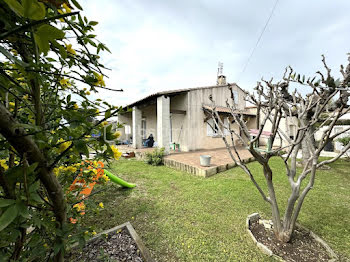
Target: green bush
344	140
155	158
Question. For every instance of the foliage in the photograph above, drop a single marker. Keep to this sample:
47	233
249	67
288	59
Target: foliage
344	140
156	157
49	67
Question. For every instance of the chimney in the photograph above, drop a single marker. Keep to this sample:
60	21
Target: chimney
221	79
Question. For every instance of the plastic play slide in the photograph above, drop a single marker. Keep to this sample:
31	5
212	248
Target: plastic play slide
88	187
118	180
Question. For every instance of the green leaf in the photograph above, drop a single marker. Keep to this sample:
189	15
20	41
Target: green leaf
108	114
77	5
57	247
61	48
31	168
46	34
22	210
6	202
34	187
81	147
8	216
36	198
33	9
93	23
15	6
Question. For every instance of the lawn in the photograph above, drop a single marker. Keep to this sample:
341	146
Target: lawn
182	217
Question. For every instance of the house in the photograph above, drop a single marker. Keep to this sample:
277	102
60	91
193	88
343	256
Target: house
181	117
342	125
288	127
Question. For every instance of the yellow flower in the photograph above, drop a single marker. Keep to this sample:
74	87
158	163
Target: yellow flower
16	162
14	52
45	245
75	106
64	82
101	205
52	131
71	169
116	134
116	153
88	136
80	206
67	10
87	92
64	146
25	97
56	171
70	49
100	81
12	104
86	232
3	164
65	6
93	233
106	178
104	123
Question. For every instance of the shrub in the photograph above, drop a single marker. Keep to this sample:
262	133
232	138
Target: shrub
155	158
344	140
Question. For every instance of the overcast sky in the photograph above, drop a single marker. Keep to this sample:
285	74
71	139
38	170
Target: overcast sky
162	45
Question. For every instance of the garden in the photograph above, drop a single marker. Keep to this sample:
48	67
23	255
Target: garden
181	217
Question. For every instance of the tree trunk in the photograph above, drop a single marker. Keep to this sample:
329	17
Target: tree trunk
23	144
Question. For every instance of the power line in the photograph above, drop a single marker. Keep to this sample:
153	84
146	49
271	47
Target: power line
259	38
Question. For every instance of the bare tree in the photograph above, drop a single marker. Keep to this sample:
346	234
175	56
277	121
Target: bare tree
275	102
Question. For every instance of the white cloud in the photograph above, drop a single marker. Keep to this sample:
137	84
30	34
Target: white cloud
161	45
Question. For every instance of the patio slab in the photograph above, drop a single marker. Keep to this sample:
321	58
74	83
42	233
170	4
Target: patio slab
220	161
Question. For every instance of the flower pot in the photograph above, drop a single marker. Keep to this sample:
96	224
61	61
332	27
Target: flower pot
205	160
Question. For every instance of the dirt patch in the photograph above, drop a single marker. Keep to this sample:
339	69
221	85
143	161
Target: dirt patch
116	246
302	247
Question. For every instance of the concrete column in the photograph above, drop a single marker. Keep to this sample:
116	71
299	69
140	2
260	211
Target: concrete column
136	127
163	122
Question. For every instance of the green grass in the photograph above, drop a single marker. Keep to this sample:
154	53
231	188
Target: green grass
182	217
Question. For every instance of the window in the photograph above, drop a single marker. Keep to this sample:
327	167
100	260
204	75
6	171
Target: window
292	131
226	126
143	128
212	129
127	129
235	96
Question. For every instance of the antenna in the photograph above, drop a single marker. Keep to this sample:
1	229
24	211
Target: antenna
220	67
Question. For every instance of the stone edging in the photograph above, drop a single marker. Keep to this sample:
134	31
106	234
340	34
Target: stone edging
203	172
255	217
146	256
